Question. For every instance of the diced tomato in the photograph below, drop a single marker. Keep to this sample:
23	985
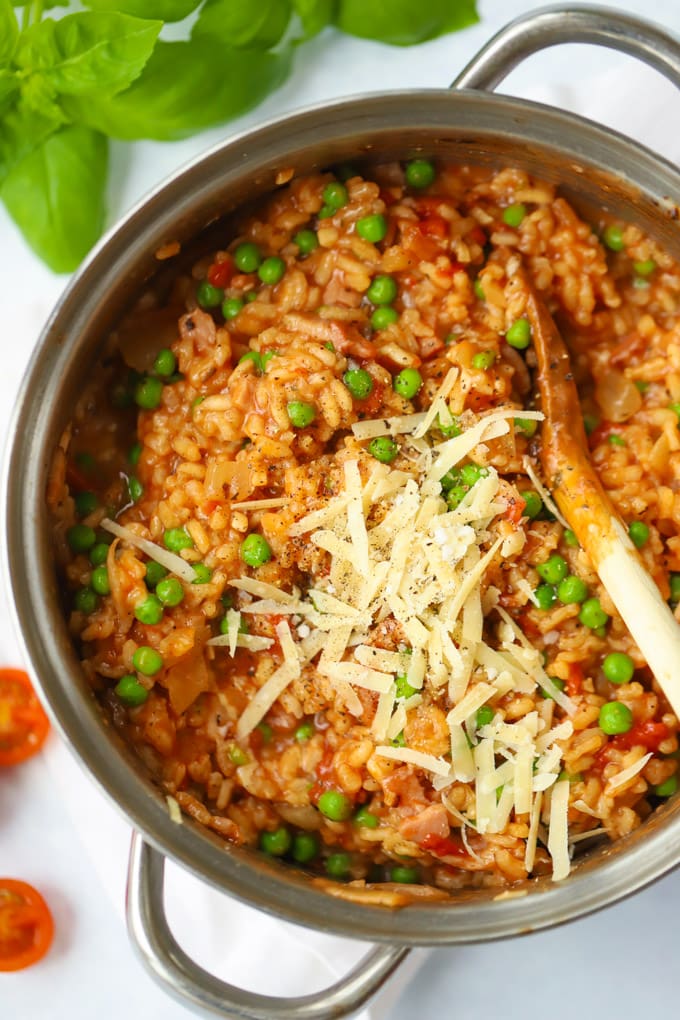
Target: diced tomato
325	775
434	226
514	509
574	684
221	273
443	846
477	236
413	240
26	925
647	734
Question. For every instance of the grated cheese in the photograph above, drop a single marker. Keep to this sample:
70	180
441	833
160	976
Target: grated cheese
532	838
383	713
175	564
427	762
174	810
263	590
253	642
625	775
438	404
387	426
473	700
261	504
272	689
542	491
558	833
355	673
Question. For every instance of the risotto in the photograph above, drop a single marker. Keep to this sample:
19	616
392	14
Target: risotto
309	561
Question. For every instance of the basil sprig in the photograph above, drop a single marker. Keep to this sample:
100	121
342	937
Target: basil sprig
69	83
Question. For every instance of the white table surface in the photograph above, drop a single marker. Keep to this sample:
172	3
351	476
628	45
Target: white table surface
621	963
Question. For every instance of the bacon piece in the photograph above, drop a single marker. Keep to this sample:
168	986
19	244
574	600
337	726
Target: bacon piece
433	821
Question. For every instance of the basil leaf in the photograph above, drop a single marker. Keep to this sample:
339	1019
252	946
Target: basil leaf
404	22
89	52
56	196
185	87
23	130
9	90
9	31
314	14
165	10
258	25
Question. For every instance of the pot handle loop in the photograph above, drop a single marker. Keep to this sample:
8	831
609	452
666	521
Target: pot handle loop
551	26
202	991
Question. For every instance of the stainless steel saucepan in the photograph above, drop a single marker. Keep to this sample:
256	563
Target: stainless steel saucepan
596	169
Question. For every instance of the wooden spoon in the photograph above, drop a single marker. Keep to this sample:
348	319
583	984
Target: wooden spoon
589	512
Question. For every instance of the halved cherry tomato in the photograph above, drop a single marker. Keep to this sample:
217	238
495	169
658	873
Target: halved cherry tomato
26	925
23	723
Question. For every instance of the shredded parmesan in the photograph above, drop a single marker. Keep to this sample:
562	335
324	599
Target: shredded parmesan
541	489
175	564
427	762
261	504
174	810
558	832
625	775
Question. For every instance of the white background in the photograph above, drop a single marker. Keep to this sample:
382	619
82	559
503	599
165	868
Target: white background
56	830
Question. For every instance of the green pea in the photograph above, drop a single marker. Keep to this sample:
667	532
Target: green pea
667	788
372	228
359	383
590	423
383	449
86	503
203	573
534	503
165	363
300	414
527	426
176	539
404	689
255	550
85	601
514	214
641	385
227	600
247	258
147	660
484	716
208	296
150	611
99	554
330	346
307	241
130	691
338	865
559	684
99	581
305	731
572	590
592	614
449	431
613	237
81	538
570	538
553	570
471	473
335	195
326	211
545	596
276	843
675	587
456	495
231	307
154	573
645	268
483	360
519	334
479	290
384	316
570	777
382	291
272	270
335	805
615	718
134	453
267	357
135	489
148	393
618	668
254	358
451	478
639	533
266	732
170	591
365	819
407	383
407	876
399	740
305	847
420	173
237	756
615	440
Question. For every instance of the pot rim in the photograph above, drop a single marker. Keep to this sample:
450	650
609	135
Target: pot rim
69	339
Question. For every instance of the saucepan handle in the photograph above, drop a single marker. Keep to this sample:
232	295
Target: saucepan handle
551	26
202	991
